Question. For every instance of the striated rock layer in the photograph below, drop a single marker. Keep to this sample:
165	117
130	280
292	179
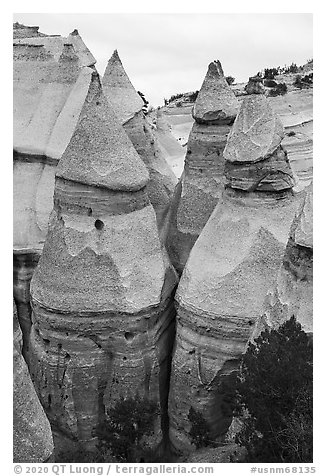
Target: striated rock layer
51	79
230	269
128	105
202	181
31	429
293	290
103	315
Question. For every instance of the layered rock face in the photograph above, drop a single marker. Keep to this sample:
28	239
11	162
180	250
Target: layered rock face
128	105
202	181
103	315
33	441
230	268
51	80
293	290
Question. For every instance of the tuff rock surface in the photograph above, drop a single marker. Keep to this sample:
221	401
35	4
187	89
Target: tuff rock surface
202	181
103	315
33	441
229	271
292	293
127	106
51	78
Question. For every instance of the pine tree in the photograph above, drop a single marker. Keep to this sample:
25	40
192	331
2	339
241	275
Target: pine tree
126	424
274	396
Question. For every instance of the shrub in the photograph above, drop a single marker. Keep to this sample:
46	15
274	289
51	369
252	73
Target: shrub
199	432
279	90
270	73
274	396
303	82
293	68
270	83
125	426
193	96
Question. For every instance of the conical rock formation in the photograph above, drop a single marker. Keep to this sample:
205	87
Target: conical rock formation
202	181
127	105
222	289
33	441
292	294
103	317
119	90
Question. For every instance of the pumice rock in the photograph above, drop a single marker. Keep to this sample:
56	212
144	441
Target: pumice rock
103	315
292	294
202	181
127	105
51	79
229	271
33	441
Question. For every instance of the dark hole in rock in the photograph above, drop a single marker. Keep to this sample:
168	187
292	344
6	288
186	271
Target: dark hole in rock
125	358
201	171
251	323
129	336
49	400
192	351
59	346
97	103
99	225
89	212
67	357
46	341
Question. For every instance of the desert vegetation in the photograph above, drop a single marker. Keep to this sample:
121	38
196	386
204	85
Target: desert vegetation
272	399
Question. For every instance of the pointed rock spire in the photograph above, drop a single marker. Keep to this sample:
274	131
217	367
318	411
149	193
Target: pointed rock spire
231	267
119	90
202	182
85	56
102	294
100	152
121	95
216	102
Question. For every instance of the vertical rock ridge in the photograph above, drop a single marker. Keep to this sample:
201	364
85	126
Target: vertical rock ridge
230	269
292	292
102	294
202	181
